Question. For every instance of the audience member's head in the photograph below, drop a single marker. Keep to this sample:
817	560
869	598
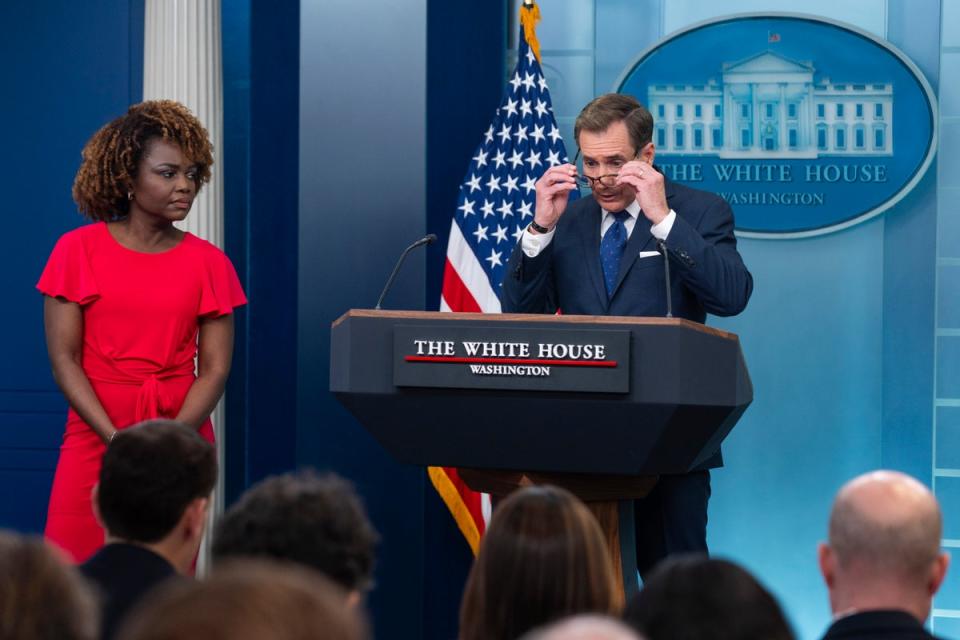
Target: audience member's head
154	489
305	518
247	600
584	627
884	546
692	597
543	558
41	596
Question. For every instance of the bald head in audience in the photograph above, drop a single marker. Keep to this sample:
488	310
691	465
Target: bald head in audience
884	546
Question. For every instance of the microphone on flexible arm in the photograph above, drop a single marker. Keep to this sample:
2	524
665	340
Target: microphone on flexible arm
427	239
666	274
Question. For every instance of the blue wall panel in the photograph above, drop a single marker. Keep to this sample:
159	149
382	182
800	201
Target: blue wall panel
948	493
362	200
70	67
465	79
948	438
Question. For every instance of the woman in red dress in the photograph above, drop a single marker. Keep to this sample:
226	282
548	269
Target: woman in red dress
131	301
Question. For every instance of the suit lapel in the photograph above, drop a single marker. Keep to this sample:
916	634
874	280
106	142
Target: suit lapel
589	233
640	240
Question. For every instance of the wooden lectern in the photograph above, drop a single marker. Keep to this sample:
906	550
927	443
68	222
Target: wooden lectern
600	405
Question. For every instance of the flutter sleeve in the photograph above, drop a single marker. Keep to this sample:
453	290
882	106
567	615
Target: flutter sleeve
68	273
222	291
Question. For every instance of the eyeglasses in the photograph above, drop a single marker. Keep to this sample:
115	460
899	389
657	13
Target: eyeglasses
589	182
607	180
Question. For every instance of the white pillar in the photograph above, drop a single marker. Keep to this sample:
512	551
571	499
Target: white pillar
182	62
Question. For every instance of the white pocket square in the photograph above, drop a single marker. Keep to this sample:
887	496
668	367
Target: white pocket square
648	254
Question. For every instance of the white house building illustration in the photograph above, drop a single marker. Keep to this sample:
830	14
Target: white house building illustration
768	106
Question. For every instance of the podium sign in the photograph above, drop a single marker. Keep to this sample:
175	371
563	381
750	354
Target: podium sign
496	357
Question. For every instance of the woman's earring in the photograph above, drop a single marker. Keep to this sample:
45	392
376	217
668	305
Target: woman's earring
129	195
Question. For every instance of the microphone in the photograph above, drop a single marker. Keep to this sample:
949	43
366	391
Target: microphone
427	239
666	275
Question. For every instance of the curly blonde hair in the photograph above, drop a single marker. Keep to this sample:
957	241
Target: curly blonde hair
112	155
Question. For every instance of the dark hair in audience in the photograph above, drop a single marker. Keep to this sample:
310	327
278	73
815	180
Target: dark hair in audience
693	597
150	474
306	518
603	111
41	596
542	558
247	600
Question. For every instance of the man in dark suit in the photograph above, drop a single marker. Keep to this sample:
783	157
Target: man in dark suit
601	256
151	498
883	563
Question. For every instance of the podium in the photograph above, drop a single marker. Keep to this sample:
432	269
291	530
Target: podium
600	405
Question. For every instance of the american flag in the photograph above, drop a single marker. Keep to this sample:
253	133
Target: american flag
497	197
495	204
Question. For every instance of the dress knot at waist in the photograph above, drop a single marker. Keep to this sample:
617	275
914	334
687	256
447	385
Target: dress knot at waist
151	400
153	397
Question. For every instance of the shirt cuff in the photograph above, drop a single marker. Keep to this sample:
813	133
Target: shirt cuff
661	230
532	245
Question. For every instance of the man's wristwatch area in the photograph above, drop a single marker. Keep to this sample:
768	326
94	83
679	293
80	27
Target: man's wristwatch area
538	228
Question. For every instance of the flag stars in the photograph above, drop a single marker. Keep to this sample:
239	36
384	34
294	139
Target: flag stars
487	208
504	133
525	108
554	134
500	234
530	56
480	159
511	184
524	210
494	259
537	135
473	182
488	136
541	109
553	158
505	209
510	108
530	184
500	159
515	81
467	208
518	233
516	158
521	134
493	184
542	82
533	159
528	78
480	233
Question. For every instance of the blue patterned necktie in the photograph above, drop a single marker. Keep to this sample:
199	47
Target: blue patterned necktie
611	250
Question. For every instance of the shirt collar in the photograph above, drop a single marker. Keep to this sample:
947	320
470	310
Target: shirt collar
633	209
